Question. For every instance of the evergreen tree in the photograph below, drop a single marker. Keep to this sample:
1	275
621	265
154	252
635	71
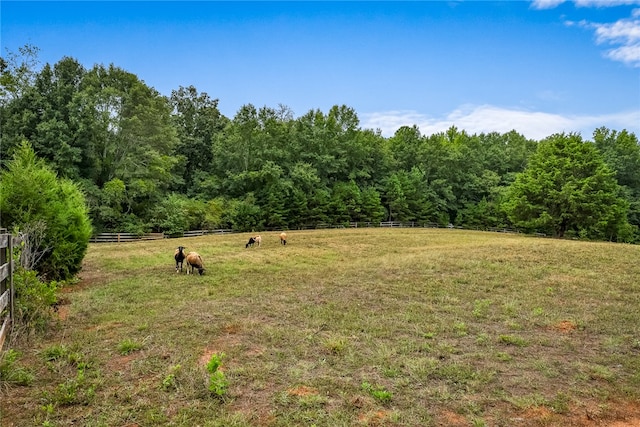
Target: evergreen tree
567	187
30	193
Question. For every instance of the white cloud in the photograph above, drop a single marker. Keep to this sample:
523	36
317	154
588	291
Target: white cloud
627	54
550	4
605	3
487	118
625	33
546	4
622	31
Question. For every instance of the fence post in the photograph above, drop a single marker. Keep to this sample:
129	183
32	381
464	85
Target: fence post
7	292
12	294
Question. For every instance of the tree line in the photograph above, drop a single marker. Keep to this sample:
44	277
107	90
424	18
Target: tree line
148	162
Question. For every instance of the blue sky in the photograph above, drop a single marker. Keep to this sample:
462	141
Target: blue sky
538	67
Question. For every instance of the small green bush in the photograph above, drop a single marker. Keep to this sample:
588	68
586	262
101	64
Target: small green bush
34	301
217	382
170	382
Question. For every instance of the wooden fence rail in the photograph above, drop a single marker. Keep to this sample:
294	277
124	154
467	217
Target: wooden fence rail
7	292
124	237
130	237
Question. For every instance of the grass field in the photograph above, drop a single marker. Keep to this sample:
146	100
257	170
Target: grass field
364	327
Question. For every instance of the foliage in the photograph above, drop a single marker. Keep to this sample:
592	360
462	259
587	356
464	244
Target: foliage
169	382
377	391
148	162
17	71
30	192
34	302
10	372
621	152
218	384
568	188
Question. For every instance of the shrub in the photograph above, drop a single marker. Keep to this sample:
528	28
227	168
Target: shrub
34	301
217	382
30	192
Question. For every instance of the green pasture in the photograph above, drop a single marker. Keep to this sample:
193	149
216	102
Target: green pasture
393	327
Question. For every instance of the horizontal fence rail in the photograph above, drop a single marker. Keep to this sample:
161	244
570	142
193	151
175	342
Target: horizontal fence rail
124	237
130	237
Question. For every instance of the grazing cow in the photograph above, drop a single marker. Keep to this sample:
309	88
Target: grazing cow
194	260
253	240
283	238
179	256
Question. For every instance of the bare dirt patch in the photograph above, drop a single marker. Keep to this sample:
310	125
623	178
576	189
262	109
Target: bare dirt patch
302	391
631	423
63	312
375	418
613	414
565	326
451	419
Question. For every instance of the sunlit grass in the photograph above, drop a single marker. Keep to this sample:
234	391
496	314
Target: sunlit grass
436	322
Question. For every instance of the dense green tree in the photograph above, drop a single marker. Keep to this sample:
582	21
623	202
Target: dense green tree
395	199
143	160
129	136
198	122
244	215
319	207
30	193
567	187
177	213
237	151
621	151
371	209
346	202
407	145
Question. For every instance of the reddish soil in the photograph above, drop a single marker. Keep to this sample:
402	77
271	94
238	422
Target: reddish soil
565	326
302	391
374	418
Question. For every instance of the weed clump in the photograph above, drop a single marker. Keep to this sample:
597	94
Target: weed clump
217	382
378	392
11	373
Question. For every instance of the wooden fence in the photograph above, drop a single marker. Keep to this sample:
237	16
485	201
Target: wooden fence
7	241
124	237
130	237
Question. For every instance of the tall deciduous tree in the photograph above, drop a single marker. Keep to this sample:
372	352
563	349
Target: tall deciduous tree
17	72
198	121
130	137
567	187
